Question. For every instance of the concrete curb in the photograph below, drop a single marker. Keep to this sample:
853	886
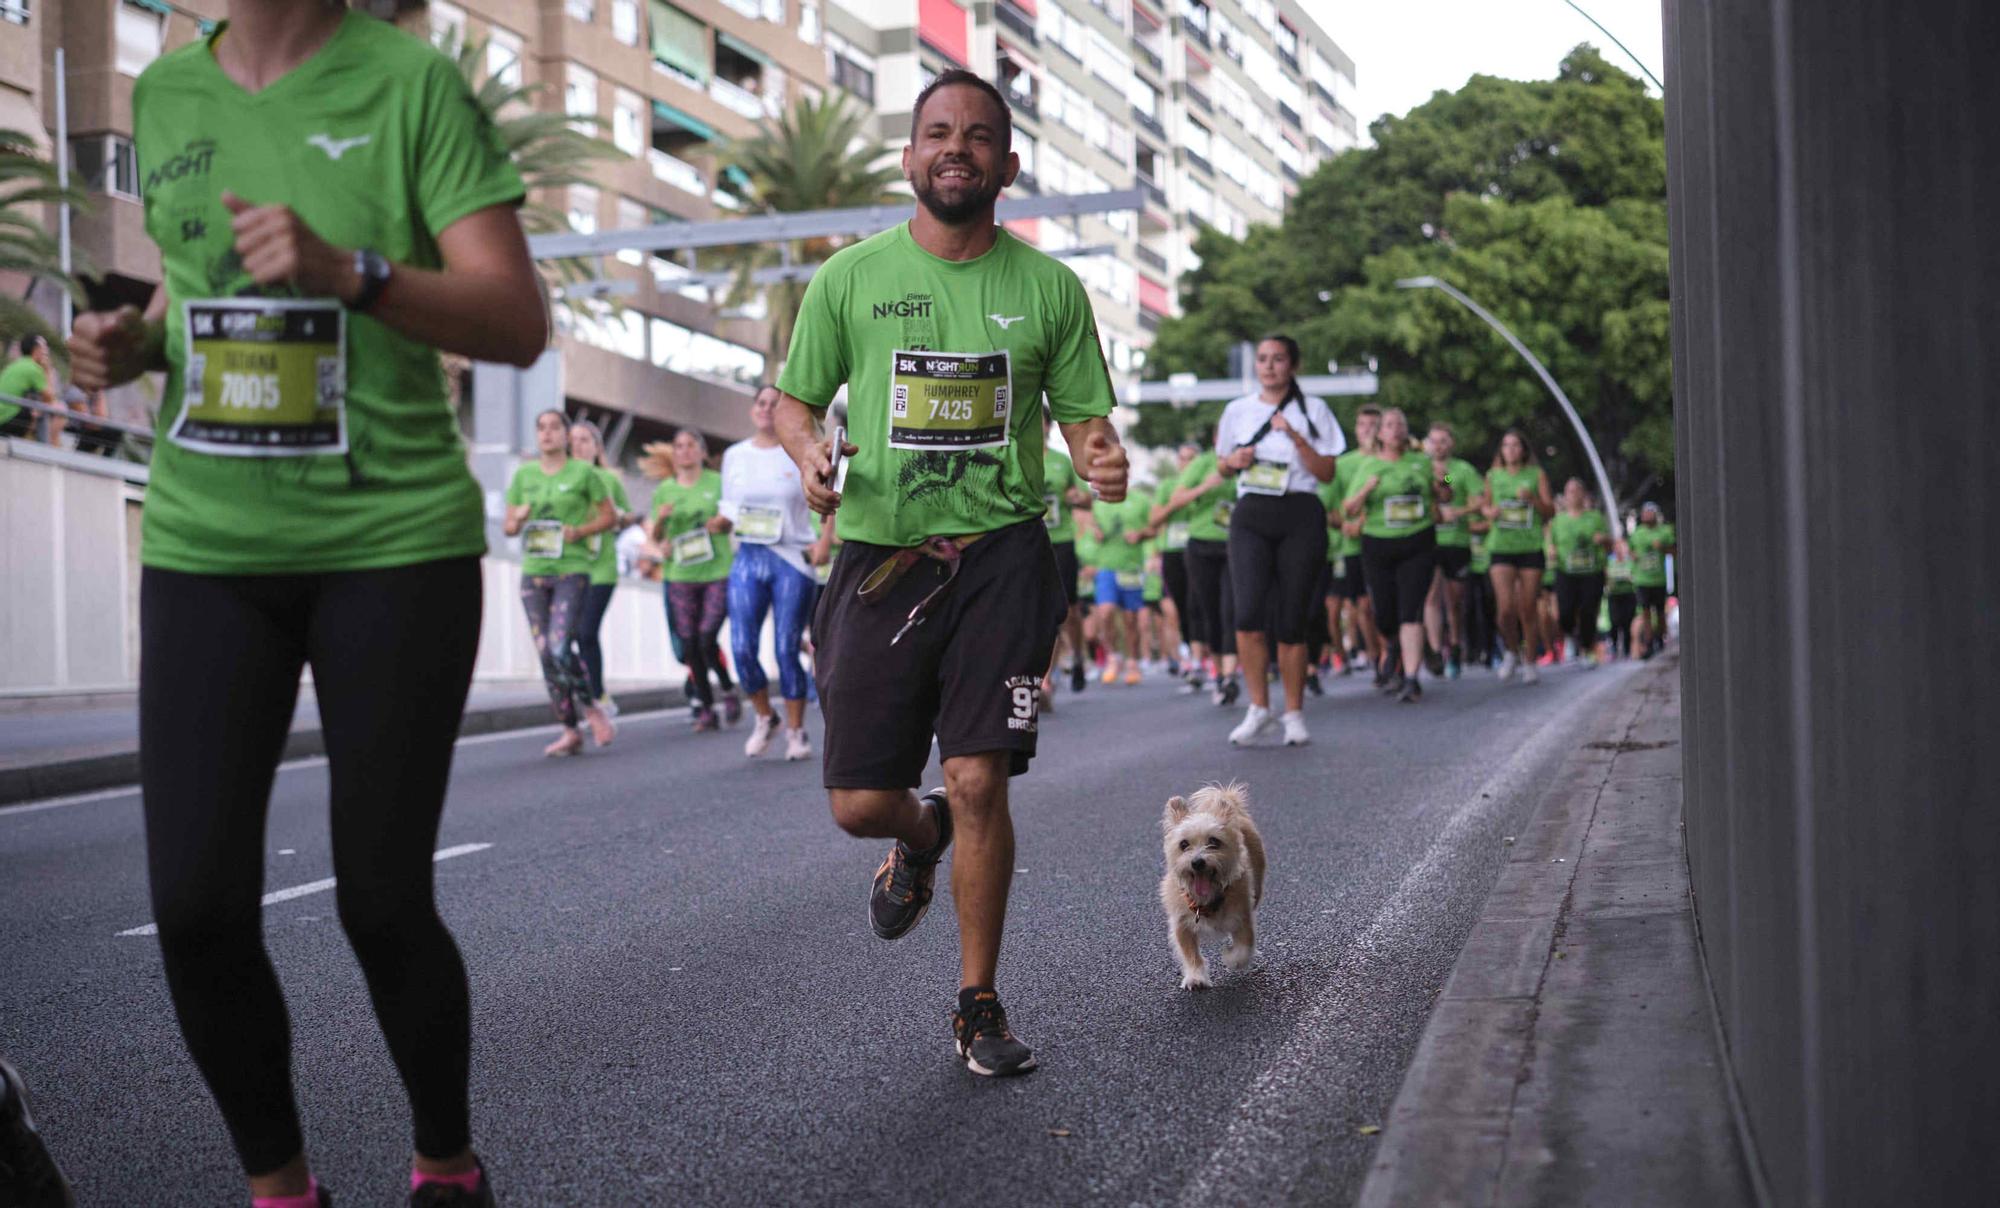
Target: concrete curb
60	778
1571	1057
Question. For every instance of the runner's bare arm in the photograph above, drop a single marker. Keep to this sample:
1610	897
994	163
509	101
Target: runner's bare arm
109	348
517	516
799	431
1545	503
1098	456
485	303
606	517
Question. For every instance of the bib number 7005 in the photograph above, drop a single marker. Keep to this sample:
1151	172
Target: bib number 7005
251	391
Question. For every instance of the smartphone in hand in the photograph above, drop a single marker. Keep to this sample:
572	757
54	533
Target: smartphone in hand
836	476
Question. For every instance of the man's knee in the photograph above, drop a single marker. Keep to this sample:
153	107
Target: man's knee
865	813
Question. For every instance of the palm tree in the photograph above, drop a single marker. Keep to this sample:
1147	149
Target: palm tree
28	184
817	155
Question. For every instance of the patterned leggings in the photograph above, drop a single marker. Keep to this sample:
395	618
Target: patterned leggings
762	582
695	611
554	604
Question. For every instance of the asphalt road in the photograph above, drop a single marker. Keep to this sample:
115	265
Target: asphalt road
677	998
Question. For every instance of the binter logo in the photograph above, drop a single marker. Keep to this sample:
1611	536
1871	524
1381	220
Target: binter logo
1006	321
337	147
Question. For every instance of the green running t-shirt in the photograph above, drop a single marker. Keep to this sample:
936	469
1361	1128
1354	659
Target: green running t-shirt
567	497
1518	527
1345	482
1114	521
686	539
1466	483
1058	476
374	142
1403	502
19	379
1174	530
945	363
1618	576
1208	515
1576	552
1482	558
604	564
1649	555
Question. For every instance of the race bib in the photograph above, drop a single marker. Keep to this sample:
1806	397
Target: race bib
1130	580
1176	535
693	548
1340	567
1052	518
1580	563
1517	514
760	525
1650	560
542	539
945	400
1402	511
1266	478
1619	572
263	377
1224	509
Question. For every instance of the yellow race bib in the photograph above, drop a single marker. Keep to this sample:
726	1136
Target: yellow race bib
263	377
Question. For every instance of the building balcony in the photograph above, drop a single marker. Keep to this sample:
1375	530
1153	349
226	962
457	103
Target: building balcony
1025	105
673	170
1146	55
1197	98
1149	321
1016	22
1150	124
1324	95
1291	173
736	98
1193	32
1154	193
1290	115
1025	182
1150	258
1199	161
1324	148
1154	218
1288	58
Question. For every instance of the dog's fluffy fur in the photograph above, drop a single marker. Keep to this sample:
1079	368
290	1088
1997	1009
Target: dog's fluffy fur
1214	878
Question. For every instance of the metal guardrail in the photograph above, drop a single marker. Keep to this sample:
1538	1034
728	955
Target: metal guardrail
75	419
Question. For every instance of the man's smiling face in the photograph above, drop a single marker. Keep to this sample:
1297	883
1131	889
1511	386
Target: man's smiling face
958	158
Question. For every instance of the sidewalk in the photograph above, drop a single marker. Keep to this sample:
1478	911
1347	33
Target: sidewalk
56	747
1573	1057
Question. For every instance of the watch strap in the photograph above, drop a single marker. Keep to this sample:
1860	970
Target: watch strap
373	268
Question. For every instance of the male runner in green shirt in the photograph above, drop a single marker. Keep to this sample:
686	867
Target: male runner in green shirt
26	377
944	603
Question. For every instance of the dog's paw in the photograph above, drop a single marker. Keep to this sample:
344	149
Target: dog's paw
1238	956
1194	979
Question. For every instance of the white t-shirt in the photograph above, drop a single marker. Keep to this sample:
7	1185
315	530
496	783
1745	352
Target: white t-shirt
1241	419
768	478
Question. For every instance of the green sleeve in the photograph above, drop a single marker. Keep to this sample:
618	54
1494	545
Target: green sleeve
619	499
1076	379
817	365
461	166
515	495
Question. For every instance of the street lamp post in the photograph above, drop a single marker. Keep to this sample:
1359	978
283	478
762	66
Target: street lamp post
1562	400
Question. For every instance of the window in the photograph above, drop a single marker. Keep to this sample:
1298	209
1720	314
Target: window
447	24
631	214
105	164
628	123
1194	136
503	56
1107	62
1232	161
1099	128
1196	14
141	36
1060	29
625	21
580	96
1288	41
583	209
773	11
581	10
809	30
1024	146
15	11
681	44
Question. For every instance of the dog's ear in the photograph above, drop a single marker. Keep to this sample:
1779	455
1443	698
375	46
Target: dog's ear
1177	809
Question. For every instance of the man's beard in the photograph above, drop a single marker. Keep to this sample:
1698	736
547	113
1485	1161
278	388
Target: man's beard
968	206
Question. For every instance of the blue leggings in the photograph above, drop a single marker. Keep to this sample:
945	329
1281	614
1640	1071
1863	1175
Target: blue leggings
761	581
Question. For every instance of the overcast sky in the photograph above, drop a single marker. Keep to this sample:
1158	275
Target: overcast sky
1404	50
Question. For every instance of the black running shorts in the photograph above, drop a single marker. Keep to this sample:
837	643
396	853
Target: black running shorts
1067	568
969	674
1528	561
1354	585
1650	597
1453	561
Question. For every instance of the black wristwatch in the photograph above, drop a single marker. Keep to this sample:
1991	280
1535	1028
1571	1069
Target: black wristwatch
374	270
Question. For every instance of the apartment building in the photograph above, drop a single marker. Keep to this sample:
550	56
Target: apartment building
665	81
1215	108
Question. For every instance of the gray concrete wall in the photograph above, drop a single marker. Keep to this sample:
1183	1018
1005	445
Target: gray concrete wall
1832	168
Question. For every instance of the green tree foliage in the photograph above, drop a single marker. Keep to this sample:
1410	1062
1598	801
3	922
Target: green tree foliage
1545	200
28	246
816	155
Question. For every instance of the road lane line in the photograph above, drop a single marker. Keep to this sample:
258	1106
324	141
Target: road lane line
312	887
314	761
1280	1118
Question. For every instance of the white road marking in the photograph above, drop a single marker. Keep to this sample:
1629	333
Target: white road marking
312	887
312	761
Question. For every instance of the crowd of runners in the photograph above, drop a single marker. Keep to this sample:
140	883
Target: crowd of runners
947	567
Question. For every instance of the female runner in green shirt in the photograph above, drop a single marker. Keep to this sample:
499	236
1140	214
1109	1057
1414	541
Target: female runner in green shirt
1518	503
689	529
1581	536
586	444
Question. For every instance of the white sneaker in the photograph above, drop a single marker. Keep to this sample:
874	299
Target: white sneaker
1528	673
609	706
1508	662
797	746
760	735
1257	729
1295	729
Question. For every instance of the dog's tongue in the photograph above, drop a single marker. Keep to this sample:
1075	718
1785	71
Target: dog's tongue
1201	888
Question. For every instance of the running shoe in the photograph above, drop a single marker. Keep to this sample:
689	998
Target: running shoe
732	708
902	889
1313	684
1077	678
797	746
29	1177
1451	668
1413	691
705	719
1174	667
1433	661
609	706
1529	675
1393	684
1548	659
1294	725
1508	662
1257	729
979	1028
1133	677
1190	684
569	742
1110	675
761	733
1231	688
450	1195
1339	665
602	729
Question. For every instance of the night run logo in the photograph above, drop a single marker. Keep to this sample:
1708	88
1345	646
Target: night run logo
909	306
195	159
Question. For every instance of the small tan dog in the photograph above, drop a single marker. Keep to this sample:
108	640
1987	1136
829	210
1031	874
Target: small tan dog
1214	878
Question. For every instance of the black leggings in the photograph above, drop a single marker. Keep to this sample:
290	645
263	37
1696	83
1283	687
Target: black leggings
392	654
1173	573
1277	549
1577	598
1624	607
1399	571
1212	614
1317	633
596	602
